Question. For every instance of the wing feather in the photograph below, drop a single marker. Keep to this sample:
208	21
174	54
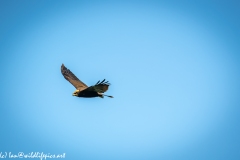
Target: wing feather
68	75
97	82
99	87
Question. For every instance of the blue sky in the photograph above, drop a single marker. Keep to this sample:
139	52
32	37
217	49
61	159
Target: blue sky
173	66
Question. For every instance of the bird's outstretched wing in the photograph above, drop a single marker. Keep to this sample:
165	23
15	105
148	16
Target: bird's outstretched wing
99	87
68	75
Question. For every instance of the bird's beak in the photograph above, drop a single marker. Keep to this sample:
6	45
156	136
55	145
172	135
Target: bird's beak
75	93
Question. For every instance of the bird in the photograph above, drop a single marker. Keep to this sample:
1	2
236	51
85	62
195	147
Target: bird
82	90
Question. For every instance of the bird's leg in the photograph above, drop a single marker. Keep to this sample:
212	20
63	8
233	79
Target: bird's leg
100	95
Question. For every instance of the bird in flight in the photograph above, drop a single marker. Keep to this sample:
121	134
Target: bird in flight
82	90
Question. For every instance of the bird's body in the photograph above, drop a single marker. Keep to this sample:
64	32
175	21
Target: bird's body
86	94
82	90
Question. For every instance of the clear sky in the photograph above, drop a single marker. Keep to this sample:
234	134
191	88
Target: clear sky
173	68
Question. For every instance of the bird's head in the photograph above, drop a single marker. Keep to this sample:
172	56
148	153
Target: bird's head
75	93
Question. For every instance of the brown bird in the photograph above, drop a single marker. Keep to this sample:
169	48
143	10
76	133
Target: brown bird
82	89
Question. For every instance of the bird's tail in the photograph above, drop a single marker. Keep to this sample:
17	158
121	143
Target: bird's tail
108	96
101	95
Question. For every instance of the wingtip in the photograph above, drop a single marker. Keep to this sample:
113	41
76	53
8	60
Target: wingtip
62	68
